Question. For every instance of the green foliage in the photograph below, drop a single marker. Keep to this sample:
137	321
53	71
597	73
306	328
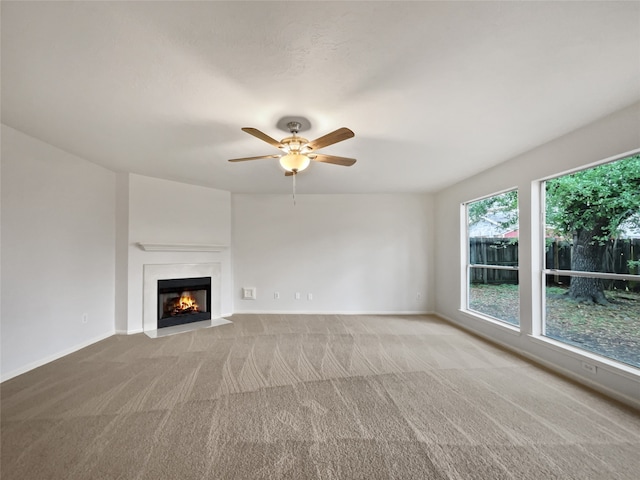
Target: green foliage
505	203
597	200
548	243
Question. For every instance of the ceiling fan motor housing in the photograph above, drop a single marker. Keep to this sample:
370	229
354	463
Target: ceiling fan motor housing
294	144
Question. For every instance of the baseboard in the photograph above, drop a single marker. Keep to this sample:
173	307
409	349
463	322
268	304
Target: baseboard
329	312
55	356
129	332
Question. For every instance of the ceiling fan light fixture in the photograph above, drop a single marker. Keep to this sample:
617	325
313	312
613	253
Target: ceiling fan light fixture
298	152
294	162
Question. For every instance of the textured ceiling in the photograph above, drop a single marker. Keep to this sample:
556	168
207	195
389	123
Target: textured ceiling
434	91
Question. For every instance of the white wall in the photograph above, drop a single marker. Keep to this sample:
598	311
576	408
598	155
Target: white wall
353	253
162	211
616	134
122	252
58	217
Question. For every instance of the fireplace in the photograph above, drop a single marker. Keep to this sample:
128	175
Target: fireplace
183	300
154	276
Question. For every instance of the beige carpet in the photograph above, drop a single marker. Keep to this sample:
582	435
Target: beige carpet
306	397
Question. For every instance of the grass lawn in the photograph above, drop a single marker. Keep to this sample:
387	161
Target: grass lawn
610	330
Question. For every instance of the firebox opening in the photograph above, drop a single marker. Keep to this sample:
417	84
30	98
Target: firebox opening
183	300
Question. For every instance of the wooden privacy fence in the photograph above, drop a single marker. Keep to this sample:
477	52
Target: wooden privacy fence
493	251
615	256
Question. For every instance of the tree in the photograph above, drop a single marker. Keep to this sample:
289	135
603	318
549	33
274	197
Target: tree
494	216
589	206
504	203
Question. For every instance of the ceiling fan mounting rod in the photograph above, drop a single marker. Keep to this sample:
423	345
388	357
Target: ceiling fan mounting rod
294	127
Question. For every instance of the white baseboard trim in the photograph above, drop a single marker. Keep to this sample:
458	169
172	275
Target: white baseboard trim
129	332
329	312
55	356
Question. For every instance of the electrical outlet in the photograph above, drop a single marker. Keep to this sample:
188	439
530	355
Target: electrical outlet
297	295
85	318
276	295
592	369
309	296
418	295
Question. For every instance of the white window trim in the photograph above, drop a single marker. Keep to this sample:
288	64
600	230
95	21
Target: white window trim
539	321
466	266
603	275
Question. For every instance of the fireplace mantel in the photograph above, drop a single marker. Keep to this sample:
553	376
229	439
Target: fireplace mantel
180	247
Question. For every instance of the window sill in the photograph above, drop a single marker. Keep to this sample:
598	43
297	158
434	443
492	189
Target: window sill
478	316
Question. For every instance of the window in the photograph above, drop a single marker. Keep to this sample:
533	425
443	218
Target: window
592	260
492	257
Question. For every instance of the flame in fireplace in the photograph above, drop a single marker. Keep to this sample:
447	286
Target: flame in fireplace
183	305
187	302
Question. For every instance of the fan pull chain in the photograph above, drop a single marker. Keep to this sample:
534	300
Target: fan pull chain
294	188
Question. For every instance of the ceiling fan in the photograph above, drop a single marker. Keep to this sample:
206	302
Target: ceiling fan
298	151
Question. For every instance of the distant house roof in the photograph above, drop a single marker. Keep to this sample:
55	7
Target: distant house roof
493	225
630	228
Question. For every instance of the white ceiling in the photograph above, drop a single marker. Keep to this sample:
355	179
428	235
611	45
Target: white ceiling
434	91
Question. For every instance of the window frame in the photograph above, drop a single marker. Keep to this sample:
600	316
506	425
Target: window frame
467	266
539	321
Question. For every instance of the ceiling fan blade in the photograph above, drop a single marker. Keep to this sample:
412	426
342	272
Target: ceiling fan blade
344	161
262	136
330	138
253	158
